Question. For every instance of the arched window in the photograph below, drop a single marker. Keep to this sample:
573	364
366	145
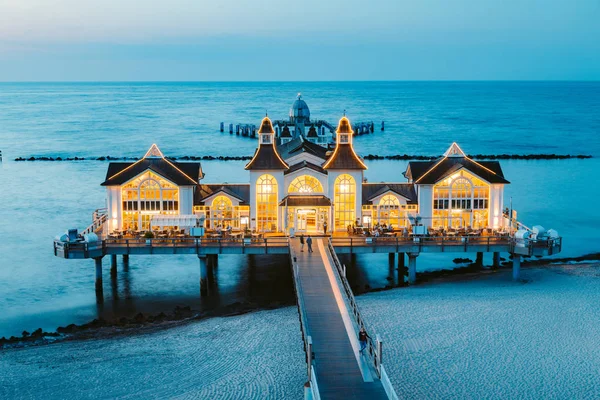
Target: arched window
344	201
305	184
221	211
389	210
461	200
266	203
145	196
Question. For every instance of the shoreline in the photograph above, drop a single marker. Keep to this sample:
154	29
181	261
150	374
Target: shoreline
181	315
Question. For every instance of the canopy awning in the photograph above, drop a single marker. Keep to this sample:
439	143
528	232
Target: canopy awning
306	200
173	220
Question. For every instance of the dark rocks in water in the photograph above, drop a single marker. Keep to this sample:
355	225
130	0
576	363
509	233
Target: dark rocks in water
25	334
462	260
71	328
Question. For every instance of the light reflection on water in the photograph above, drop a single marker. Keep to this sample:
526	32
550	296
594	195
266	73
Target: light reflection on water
40	200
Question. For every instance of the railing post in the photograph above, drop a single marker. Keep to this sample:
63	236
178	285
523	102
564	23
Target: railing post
379	351
309	357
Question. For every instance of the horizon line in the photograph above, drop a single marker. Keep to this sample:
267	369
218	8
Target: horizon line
305	81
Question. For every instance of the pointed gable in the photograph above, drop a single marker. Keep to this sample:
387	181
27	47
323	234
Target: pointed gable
454	159
181	174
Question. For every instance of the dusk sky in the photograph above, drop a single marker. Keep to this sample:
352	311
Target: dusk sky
199	40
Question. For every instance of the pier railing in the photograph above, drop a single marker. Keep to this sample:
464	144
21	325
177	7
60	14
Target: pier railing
307	339
99	217
373	346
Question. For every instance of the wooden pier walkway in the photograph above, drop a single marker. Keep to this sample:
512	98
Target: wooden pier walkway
341	371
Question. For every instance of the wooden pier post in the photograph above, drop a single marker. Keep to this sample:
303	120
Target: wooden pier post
401	260
496	258
412	267
203	275
125	259
479	259
392	258
382	126
222	127
113	264
99	290
516	267
230	129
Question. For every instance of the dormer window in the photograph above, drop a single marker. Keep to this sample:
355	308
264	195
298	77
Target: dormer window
266	139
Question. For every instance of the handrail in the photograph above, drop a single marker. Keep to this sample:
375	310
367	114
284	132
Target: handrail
373	347
99	217
307	339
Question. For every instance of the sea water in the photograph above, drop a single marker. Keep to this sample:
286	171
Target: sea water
39	200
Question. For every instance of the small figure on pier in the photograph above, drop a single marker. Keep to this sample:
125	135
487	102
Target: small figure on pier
362	338
302	242
309	244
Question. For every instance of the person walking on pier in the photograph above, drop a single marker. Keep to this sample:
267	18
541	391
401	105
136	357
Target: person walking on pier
325	228
302	242
309	244
362	338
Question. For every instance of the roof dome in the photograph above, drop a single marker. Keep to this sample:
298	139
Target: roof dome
299	111
266	126
344	126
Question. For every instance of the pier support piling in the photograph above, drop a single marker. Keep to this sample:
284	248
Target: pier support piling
203	275
113	264
412	268
401	260
516	267
99	290
479	259
391	258
496	259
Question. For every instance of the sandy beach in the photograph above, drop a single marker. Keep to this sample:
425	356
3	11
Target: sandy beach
481	337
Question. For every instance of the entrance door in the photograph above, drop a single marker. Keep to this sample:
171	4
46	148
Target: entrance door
306	220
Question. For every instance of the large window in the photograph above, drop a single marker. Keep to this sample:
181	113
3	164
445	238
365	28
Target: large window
221	211
344	201
389	210
305	184
461	200
145	196
266	203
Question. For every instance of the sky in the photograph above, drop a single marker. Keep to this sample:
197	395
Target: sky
307	40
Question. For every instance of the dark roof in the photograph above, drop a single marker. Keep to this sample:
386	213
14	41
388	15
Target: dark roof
305	164
187	173
285	132
266	126
430	172
344	126
312	132
266	158
298	146
372	190
238	191
305	200
344	157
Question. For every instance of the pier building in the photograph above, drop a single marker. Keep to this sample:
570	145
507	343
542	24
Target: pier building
299	186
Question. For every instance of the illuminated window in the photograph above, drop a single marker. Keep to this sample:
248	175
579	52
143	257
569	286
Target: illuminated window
305	184
221	211
266	203
344	201
389	210
461	200
145	196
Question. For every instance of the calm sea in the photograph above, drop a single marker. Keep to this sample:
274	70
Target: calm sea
40	200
